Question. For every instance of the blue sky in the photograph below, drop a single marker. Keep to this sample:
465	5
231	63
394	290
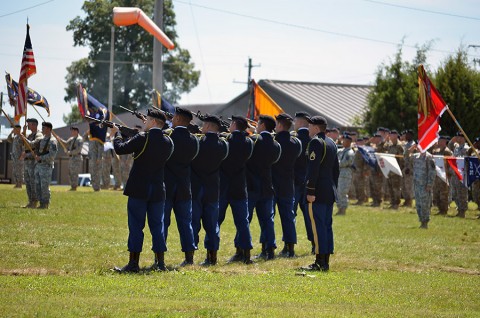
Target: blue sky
341	41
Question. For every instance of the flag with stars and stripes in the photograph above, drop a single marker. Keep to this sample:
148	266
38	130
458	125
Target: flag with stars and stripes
28	69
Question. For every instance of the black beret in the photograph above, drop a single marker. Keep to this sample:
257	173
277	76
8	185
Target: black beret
444	138
302	115
347	136
383	129
394	132
460	134
212	119
409	131
318	120
334	129
74	128
284	116
32	120
17	126
184	112
154	113
352	133
241	119
267	118
47	124
377	135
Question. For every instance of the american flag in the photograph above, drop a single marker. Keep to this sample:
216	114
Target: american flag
28	69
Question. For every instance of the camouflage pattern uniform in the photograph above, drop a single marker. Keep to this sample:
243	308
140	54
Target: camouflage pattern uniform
407	187
441	188
74	146
111	161
377	179
476	183
17	150
29	168
459	190
423	175
345	158
394	180
46	152
360	177
126	162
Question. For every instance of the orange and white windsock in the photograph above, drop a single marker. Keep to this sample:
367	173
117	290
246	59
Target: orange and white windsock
124	16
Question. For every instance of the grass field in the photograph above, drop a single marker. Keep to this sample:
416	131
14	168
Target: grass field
56	263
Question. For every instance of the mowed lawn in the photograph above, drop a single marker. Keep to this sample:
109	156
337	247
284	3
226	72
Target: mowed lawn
56	263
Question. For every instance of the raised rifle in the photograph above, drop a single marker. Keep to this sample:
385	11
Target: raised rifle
139	115
167	114
124	130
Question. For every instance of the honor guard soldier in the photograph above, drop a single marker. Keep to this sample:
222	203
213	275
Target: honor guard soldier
459	190
74	146
96	139
29	162
45	158
301	132
394	181
407	188
440	187
283	181
361	173
206	186
177	182
18	147
266	152
233	187
145	188
322	183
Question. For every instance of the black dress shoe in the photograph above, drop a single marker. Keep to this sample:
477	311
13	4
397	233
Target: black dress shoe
129	268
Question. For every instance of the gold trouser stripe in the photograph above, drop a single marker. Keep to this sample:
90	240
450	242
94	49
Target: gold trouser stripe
314	228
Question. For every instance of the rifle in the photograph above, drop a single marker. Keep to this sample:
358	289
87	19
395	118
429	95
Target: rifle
167	114
124	130
139	115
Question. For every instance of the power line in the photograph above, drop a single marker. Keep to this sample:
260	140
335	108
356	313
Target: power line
25	9
423	10
304	27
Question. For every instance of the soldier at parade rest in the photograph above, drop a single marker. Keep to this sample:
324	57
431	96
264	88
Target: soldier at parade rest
441	188
145	189
17	149
74	145
345	157
29	162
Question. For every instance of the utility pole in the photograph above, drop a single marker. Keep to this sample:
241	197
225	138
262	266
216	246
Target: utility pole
250	66
475	61
110	75
157	80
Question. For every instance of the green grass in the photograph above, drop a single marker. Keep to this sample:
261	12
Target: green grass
56	263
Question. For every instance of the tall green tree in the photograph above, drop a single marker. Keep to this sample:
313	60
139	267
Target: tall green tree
392	102
133	56
459	84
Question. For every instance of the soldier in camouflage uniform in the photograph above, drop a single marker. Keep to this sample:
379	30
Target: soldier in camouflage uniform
440	187
476	184
345	158
395	181
96	139
459	190
360	174
17	149
407	188
423	175
74	145
126	162
376	176
29	162
45	157
111	162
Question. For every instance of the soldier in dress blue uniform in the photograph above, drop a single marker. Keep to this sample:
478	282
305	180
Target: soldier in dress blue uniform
206	186
301	132
283	181
177	182
322	183
145	188
233	187
266	152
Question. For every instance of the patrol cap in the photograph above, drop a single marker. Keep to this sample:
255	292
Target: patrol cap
444	137
240	119
184	112
302	114
17	126
47	124
212	119
284	116
377	135
32	120
74	128
384	129
347	136
334	129
156	114
351	133
409	131
394	132
318	120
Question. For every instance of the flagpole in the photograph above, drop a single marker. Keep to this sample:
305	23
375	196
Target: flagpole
463	132
13	125
53	132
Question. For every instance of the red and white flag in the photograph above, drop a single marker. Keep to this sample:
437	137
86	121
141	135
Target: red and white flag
28	69
430	108
388	163
458	166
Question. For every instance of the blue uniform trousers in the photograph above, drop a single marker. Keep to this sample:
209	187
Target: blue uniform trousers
183	216
321	218
265	215
301	202
287	217
243	238
138	210
206	214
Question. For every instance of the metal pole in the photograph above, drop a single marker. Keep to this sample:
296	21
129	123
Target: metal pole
110	77
157	78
